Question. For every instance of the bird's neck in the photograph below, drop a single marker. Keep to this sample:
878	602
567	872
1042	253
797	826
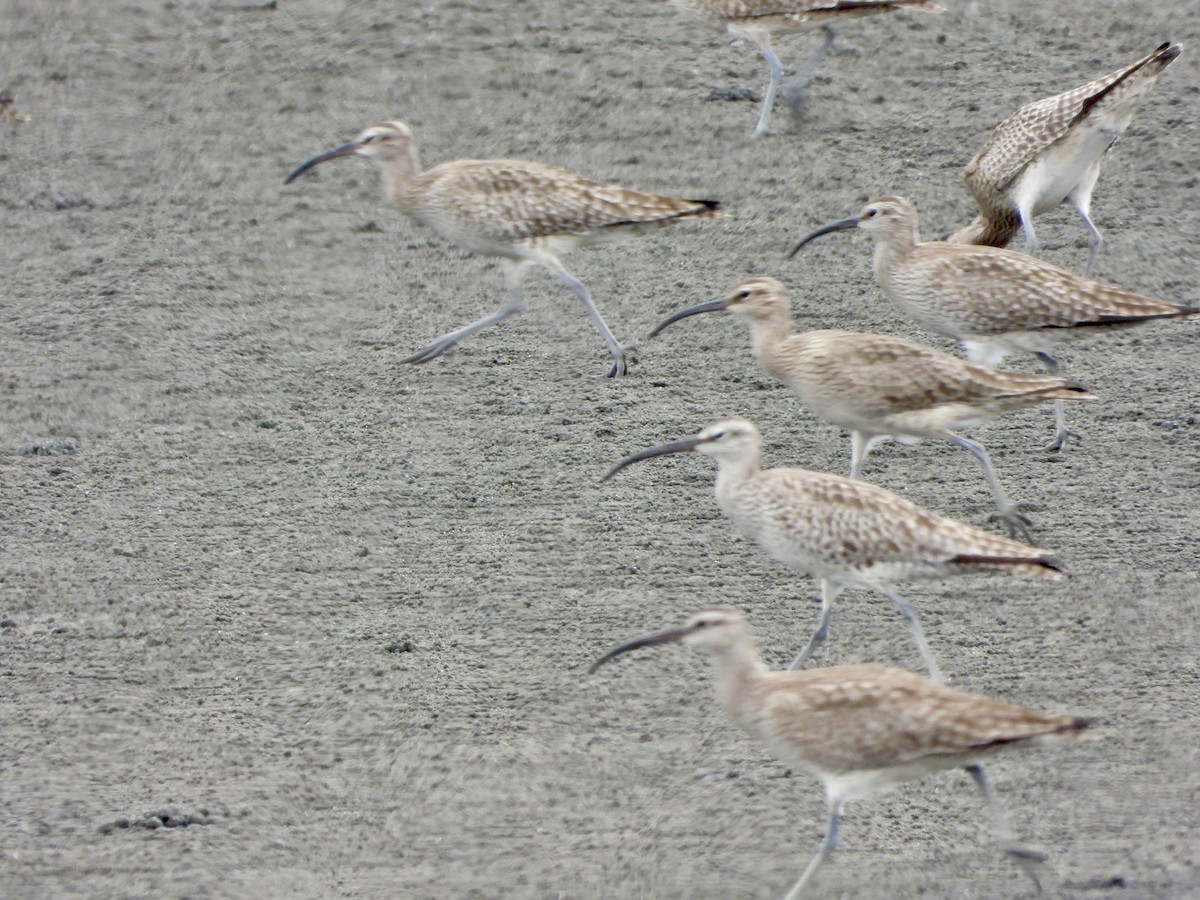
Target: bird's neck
732	476
766	335
732	472
894	249
739	671
400	173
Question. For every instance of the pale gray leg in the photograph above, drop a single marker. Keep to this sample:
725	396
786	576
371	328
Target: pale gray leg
764	117
829	593
446	341
1062	434
1031	241
795	91
614	346
827	847
1026	857
1081	198
918	635
860	448
1018	525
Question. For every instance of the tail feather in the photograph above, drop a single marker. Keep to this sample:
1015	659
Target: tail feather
1040	566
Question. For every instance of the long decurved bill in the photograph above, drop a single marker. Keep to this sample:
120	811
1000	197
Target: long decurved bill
687	445
843	225
711	306
663	637
344	150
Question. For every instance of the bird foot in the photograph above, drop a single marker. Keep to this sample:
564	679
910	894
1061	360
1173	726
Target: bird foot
430	351
1018	524
1028	858
1061	439
1022	852
619	366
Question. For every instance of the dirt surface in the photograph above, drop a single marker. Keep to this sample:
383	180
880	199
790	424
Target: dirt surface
281	616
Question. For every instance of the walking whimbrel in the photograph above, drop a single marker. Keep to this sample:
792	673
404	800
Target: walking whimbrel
525	213
994	301
757	20
846	532
877	386
1051	150
861	729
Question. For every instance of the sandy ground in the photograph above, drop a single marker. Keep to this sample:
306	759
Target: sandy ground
280	616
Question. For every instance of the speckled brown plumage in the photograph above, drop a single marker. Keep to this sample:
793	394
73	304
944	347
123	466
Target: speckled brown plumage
1052	149
860	729
995	301
526	213
844	531
878	386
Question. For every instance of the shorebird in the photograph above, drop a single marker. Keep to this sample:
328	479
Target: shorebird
757	20
877	386
525	213
9	110
861	729
845	532
994	301
1051	150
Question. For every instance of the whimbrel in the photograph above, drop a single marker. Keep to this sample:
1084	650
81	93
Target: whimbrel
846	532
994	301
861	729
525	213
1051	150
877	386
757	20
9	110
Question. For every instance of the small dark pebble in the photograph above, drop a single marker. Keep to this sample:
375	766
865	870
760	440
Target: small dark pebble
159	818
733	95
49	448
401	646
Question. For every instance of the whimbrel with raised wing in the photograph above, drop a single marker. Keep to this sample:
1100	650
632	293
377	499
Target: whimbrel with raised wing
861	729
757	20
846	532
525	213
1050	151
877	386
994	301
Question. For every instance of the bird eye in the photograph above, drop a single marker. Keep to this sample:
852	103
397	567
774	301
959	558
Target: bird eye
742	295
703	623
871	213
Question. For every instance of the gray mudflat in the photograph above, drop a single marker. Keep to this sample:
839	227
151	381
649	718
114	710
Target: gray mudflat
281	617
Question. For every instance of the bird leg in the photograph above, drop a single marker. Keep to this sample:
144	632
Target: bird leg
1062	434
1026	857
776	68
918	635
829	592
860	447
446	341
1026	217
614	347
1018	524
1081	199
1095	239
827	847
795	91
